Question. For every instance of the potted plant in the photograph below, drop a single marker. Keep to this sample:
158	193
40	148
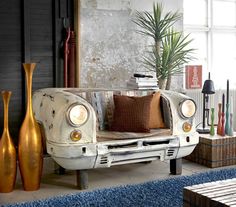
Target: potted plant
170	49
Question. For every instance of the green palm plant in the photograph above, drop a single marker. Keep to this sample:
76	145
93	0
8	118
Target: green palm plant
170	49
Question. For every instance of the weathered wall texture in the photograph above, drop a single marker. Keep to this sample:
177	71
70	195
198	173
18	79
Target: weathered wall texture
111	50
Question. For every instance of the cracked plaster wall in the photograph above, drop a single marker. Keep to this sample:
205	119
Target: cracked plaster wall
111	50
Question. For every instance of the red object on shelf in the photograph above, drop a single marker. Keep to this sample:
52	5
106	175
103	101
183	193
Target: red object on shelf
223	124
71	61
219	120
66	53
193	76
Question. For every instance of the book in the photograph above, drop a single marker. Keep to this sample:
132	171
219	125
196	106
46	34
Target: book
143	87
142	83
137	80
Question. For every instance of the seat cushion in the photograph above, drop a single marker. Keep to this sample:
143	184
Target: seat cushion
114	135
156	120
131	113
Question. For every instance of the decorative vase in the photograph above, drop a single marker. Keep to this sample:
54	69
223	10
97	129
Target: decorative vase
7	152
30	148
212	129
227	124
231	132
219	119
222	123
162	83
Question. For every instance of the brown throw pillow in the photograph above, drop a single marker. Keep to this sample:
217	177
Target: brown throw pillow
131	114
156	120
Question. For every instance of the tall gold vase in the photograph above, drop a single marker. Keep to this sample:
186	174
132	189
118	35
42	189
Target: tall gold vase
7	152
30	149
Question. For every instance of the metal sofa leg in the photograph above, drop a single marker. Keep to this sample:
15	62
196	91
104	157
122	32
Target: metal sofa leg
82	179
62	171
58	169
176	166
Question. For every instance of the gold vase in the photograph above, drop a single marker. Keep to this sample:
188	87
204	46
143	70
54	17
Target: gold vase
30	149
7	152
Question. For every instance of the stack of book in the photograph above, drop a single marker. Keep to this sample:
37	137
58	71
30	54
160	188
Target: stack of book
139	81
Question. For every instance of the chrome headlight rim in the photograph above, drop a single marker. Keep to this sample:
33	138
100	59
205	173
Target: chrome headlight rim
69	111
181	111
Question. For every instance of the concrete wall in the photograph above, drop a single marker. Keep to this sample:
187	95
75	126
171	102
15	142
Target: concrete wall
111	50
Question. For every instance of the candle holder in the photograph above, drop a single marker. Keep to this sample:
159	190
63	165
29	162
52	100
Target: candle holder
231	124
231	111
222	124
219	119
227	125
212	129
223	116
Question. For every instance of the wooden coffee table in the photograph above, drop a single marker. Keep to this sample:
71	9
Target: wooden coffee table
219	193
214	151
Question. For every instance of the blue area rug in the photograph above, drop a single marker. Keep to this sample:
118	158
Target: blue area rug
159	193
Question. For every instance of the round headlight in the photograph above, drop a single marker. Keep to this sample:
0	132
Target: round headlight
188	108
77	114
